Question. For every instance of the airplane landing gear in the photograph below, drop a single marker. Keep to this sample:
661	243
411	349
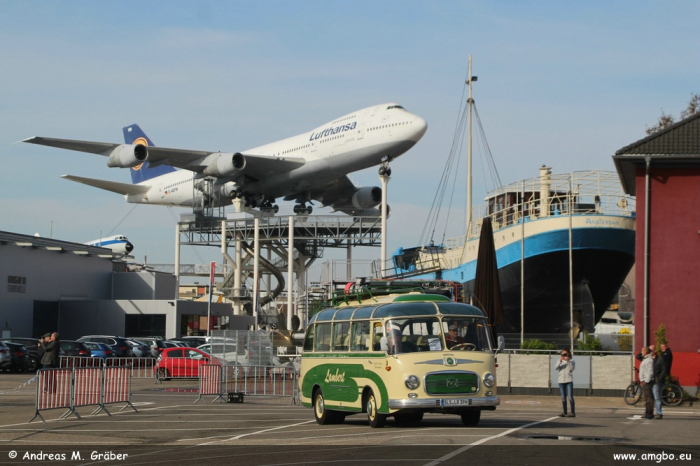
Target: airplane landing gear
268	207
303	209
384	169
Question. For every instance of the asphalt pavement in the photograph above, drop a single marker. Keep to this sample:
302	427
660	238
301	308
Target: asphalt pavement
169	428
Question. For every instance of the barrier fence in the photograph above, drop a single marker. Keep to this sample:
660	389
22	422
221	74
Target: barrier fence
237	381
73	387
141	368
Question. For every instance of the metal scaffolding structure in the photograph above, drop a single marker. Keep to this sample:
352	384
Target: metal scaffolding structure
295	242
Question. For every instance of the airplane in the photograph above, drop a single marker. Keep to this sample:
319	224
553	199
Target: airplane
311	166
119	244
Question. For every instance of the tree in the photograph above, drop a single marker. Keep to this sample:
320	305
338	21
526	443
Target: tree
660	337
666	120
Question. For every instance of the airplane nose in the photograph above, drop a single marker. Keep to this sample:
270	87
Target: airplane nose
420	127
129	247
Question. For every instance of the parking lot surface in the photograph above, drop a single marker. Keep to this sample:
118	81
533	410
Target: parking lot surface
170	429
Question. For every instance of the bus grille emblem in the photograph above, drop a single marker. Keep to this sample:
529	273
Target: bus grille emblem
452	383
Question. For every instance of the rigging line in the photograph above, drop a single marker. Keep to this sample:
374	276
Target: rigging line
488	148
120	221
454	184
436	208
432	212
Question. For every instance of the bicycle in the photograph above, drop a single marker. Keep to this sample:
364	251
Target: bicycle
633	393
672	393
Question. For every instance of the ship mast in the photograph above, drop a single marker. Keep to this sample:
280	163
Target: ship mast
470	102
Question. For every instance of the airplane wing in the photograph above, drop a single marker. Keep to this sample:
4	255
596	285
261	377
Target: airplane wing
119	188
339	196
256	166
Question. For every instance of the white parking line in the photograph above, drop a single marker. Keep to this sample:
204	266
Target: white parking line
258	432
479	442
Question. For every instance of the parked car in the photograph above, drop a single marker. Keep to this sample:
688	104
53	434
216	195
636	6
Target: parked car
35	352
182	362
74	348
156	345
5	358
19	357
98	350
139	348
120	346
191	342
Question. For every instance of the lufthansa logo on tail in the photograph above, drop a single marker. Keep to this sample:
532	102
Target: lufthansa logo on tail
143	142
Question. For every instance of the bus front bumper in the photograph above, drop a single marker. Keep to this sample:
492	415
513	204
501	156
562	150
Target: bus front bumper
452	402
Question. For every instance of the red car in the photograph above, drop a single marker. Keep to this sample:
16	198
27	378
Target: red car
182	363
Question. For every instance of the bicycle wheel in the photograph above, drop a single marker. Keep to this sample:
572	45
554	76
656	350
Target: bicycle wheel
633	394
672	394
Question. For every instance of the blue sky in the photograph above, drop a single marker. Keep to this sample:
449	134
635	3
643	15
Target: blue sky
560	83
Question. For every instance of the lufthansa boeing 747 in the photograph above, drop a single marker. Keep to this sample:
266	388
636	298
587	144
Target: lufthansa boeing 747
303	168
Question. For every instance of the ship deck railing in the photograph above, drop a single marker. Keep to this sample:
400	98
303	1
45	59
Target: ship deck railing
578	193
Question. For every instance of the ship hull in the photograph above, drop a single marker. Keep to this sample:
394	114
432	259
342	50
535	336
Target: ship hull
601	259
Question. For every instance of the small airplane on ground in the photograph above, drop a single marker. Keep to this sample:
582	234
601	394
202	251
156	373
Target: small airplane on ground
119	244
307	167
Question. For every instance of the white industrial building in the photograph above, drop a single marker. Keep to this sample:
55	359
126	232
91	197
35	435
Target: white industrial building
75	289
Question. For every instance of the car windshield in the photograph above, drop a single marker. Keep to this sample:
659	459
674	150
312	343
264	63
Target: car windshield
466	333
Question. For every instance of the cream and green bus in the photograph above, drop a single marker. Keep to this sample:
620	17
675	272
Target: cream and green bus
398	355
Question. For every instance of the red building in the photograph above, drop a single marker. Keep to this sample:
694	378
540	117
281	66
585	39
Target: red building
663	172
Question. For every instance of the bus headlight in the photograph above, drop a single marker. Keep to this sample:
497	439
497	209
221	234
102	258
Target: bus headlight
489	380
412	382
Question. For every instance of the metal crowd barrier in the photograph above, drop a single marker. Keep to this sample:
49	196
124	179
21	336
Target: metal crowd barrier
236	381
142	368
73	387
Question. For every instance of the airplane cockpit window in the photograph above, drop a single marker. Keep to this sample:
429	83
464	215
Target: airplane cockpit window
395	106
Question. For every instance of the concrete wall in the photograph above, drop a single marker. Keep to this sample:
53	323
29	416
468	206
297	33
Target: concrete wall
143	285
48	276
536	371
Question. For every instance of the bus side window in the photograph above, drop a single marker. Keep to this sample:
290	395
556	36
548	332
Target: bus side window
323	337
341	339
309	342
378	333
360	336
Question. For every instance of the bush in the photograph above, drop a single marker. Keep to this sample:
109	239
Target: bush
538	345
588	343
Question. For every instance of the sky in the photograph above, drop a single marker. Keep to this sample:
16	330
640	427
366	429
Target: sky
561	83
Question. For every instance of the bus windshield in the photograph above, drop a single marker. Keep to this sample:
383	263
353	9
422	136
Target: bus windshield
429	334
412	335
466	333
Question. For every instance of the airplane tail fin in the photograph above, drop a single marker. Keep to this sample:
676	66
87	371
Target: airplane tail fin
133	134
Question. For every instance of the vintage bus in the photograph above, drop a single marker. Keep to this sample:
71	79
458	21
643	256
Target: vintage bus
399	355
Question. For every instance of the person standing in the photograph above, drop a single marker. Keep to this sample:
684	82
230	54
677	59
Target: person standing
667	356
659	379
646	377
566	367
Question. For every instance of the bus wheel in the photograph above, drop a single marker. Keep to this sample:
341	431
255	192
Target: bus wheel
322	415
375	418
408	418
471	418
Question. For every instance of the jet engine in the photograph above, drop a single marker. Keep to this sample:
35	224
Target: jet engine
227	190
365	198
127	156
226	165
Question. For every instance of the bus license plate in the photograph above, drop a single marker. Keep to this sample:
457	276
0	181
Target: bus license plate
460	402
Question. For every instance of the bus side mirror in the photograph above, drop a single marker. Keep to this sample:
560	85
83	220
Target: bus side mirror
501	343
383	344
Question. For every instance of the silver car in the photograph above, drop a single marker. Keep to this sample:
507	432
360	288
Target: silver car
5	358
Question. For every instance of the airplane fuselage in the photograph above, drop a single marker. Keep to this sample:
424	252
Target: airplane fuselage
353	142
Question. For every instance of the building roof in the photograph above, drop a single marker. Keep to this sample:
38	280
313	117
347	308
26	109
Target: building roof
676	146
28	241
